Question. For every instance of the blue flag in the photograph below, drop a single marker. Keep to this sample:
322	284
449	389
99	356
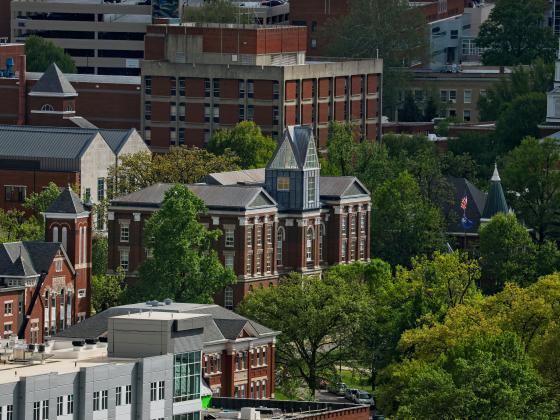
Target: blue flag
466	222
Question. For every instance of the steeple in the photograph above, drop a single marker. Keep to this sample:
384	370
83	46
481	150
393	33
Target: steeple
496	200
53	83
553	97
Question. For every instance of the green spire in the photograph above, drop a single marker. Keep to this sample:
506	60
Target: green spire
496	200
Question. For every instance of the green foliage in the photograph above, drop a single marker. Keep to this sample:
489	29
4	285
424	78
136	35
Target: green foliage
184	266
482	148
404	224
341	145
41	53
99	255
389	29
487	377
521	118
410	111
431	108
523	80
15	227
216	11
38	203
516	34
532	179
246	141
180	165
316	316
107	291
507	252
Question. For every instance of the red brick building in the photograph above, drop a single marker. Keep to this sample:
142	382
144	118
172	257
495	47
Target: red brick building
276	220
104	101
314	14
45	286
199	78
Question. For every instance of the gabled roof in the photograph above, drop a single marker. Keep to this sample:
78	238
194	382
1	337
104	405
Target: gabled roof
53	83
29	258
225	324
56	142
68	202
341	187
296	150
214	196
496	201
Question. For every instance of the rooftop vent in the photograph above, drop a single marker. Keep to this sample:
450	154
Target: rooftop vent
168	301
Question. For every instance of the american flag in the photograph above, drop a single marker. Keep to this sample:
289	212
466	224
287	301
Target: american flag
464	202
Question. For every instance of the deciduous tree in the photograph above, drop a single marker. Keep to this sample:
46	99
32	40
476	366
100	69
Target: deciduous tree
246	141
515	33
41	53
184	266
107	291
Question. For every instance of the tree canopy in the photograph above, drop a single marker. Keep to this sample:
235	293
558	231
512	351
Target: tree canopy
185	165
515	33
183	266
41	53
246	141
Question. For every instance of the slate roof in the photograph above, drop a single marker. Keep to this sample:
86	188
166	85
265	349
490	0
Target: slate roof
225	325
293	150
496	201
55	142
214	196
476	200
68	202
341	187
53	82
28	258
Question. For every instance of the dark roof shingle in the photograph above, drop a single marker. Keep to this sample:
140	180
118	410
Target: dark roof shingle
67	202
53	82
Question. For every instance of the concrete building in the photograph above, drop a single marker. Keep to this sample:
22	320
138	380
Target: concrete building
148	367
45	286
199	78
238	355
276	220
31	157
457	92
102	37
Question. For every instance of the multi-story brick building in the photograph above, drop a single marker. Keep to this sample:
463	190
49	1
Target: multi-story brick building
104	101
45	286
238	354
198	78
275	220
32	157
314	14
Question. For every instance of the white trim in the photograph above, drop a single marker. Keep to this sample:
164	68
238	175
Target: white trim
53	112
53	95
66	215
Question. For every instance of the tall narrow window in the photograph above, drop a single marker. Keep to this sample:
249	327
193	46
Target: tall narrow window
65	237
309	245
228	297
311	189
55	234
279	242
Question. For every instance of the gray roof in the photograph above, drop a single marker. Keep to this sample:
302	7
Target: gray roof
248	176
496	200
214	196
93	78
225	325
341	187
55	142
68	202
53	82
296	150
28	258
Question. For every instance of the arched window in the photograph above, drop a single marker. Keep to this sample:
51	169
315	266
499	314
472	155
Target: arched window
68	108
47	107
228	297
65	237
258	389
55	234
84	245
280	236
309	245
263	389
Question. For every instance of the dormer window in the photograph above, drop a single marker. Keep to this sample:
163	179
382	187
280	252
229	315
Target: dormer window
47	108
283	183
